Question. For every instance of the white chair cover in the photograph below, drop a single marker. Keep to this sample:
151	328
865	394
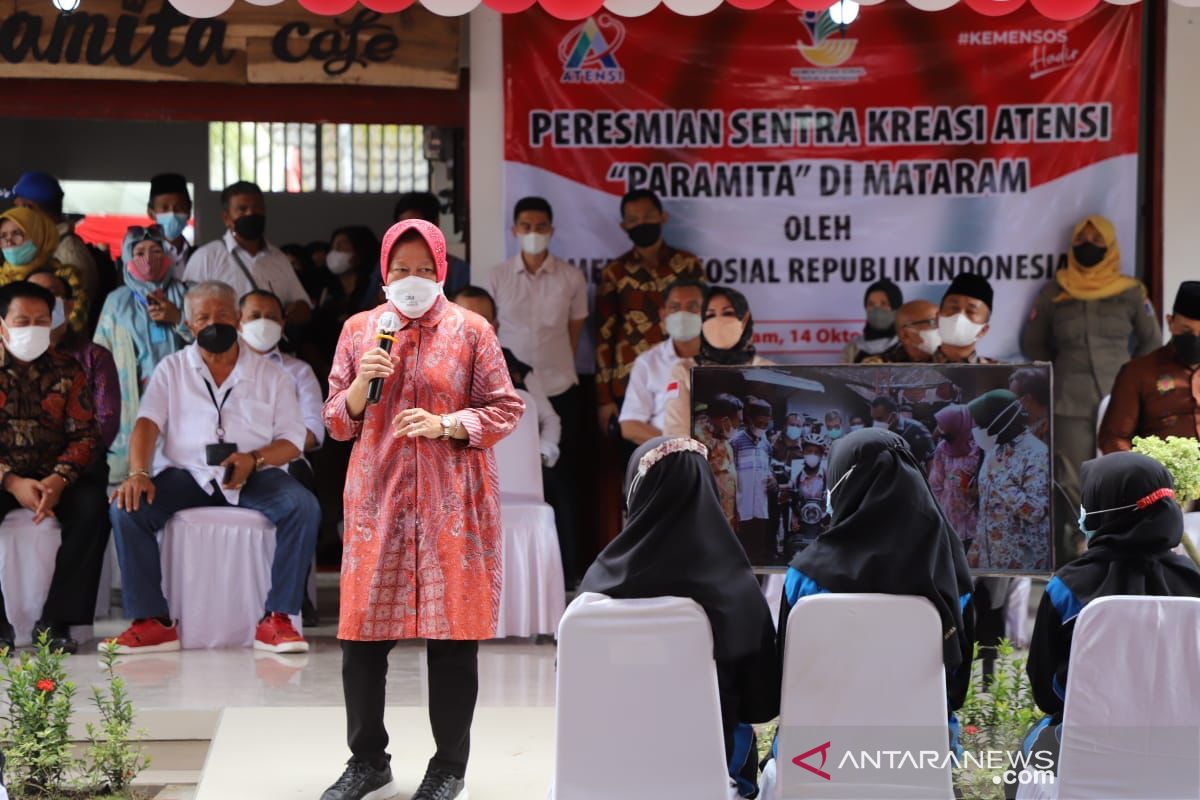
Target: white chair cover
1130	723
27	554
638	716
216	565
862	672
533	594
1016	612
519	457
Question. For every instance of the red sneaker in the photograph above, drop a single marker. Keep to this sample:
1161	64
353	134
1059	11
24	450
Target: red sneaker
146	636
275	634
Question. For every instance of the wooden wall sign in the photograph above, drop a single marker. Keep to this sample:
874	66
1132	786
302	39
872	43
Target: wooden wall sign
149	40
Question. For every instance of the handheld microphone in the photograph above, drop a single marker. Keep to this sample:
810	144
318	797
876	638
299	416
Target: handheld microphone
389	323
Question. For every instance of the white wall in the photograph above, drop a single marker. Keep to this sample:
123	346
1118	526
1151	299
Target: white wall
486	159
1181	178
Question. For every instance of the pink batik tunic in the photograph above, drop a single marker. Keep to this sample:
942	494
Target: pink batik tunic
423	545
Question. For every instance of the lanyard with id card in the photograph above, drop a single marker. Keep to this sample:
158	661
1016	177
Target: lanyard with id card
216	453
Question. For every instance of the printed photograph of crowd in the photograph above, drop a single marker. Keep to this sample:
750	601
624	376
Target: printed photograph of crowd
983	433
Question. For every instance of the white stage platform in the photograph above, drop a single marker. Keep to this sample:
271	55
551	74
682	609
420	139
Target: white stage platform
295	753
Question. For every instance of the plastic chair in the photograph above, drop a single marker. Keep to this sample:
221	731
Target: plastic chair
1130	722
862	673
638	717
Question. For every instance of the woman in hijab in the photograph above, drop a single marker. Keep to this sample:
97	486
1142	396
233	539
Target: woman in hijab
1132	524
141	324
676	542
1087	321
870	547
1014	487
423	541
881	301
28	239
726	339
954	472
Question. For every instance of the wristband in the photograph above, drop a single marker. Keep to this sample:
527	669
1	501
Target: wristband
139	473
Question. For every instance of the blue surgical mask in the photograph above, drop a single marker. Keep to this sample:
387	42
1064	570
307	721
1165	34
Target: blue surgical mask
1083	515
172	224
793	432
835	433
20	255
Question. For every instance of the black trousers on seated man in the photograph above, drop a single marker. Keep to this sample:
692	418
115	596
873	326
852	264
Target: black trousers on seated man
82	514
453	689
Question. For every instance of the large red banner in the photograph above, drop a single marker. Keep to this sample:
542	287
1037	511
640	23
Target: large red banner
803	160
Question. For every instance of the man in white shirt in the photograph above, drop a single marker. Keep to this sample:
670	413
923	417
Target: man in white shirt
260	324
541	304
755	483
170	207
650	385
244	259
216	426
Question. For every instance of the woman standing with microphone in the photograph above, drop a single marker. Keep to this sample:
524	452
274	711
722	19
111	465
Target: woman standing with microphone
422	538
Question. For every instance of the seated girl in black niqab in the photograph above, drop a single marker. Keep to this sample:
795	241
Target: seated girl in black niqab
888	535
677	543
1132	524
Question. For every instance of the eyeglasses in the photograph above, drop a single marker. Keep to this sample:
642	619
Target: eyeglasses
141	234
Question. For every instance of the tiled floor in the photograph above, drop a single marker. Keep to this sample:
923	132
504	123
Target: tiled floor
513	673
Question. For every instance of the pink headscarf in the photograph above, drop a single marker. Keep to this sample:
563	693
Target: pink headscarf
429	232
955	421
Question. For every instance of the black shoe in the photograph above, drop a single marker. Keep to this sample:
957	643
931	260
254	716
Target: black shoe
362	782
440	785
60	638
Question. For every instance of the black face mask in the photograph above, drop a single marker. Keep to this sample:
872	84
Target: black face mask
217	338
250	227
1088	254
1187	347
645	234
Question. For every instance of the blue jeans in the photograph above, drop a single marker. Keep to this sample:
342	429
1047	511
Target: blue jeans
272	492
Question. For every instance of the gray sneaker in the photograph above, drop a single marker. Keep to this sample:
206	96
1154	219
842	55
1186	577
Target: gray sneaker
440	785
362	782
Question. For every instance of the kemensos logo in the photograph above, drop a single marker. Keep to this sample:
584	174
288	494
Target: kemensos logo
825	51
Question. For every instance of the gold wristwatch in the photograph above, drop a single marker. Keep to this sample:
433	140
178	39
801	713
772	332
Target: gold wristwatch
449	425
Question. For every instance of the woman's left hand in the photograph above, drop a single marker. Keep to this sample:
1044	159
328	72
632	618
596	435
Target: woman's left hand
417	422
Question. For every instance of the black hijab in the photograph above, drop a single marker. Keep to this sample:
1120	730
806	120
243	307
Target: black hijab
889	535
743	351
676	542
1130	553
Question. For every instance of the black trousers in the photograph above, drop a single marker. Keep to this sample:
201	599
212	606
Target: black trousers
82	513
560	482
453	689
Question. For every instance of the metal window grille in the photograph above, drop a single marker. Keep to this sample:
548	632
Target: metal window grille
306	157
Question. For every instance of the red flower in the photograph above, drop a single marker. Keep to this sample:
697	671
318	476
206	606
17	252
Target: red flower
45	685
970	730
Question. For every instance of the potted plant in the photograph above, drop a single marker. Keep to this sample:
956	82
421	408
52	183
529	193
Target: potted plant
1181	457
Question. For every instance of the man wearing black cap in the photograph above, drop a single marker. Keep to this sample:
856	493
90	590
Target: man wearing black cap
1159	393
170	207
963	320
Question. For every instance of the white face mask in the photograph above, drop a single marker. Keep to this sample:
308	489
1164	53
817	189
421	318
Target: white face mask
339	262
413	296
882	425
930	342
958	331
28	343
262	334
812	461
683	326
534	244
987	441
58	317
